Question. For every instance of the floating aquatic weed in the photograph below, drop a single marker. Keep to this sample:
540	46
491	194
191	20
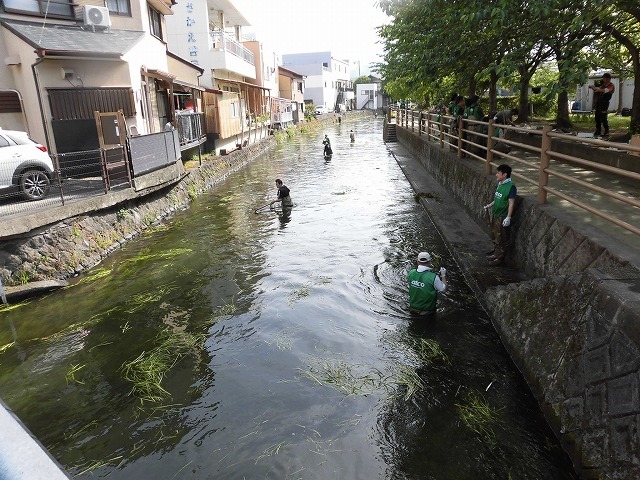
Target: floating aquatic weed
6	347
98	464
420	351
323	280
71	374
9	307
76	327
141	300
478	415
224	311
283	339
103	344
171	253
406	376
272	450
343	377
148	370
302	292
93	423
352	422
95	275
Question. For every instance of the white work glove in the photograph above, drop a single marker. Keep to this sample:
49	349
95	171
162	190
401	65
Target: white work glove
485	208
443	272
506	222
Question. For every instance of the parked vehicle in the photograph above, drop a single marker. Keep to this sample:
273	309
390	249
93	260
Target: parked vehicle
321	110
24	165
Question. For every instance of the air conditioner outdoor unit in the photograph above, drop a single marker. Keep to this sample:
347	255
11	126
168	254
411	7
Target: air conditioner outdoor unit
96	16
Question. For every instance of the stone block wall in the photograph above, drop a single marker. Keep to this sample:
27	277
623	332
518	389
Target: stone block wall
67	248
576	338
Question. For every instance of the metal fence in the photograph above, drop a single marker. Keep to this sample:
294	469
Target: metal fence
543	161
80	175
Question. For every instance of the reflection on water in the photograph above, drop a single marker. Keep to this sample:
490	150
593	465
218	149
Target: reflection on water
276	345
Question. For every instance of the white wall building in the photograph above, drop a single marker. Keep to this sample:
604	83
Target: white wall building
367	96
327	80
208	32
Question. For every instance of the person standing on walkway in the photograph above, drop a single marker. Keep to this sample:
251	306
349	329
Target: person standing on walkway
424	285
602	95
504	200
352	136
283	195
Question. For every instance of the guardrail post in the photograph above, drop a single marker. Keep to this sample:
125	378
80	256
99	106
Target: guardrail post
635	141
460	125
413	117
441	131
389	114
420	124
490	142
545	158
428	126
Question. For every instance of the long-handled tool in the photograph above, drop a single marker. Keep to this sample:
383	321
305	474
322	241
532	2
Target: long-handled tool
259	210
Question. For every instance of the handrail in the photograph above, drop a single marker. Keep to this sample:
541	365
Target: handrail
471	142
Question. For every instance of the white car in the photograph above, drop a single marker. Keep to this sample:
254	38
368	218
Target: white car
24	165
321	110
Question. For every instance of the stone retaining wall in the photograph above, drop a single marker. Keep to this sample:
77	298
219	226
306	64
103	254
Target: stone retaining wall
66	248
574	330
576	338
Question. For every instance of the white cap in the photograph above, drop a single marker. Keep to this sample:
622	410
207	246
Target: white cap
424	257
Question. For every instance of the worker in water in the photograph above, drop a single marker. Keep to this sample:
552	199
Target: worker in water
424	285
283	195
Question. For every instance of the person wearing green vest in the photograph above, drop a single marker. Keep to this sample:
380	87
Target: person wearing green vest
504	200
473	110
424	285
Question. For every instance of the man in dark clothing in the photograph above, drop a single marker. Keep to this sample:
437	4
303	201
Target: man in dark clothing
327	146
283	195
601	97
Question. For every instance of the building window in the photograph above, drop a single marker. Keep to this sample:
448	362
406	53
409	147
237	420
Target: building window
119	7
235	110
300	86
60	8
155	23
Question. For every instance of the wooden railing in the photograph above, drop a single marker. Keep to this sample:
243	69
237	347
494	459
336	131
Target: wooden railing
479	141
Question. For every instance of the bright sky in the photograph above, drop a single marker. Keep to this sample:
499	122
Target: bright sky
347	28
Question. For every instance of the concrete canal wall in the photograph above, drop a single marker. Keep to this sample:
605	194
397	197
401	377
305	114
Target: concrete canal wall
79	241
573	329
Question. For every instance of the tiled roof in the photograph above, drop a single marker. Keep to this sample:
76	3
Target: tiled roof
74	40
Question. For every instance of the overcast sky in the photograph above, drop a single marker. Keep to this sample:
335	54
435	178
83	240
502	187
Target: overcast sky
347	28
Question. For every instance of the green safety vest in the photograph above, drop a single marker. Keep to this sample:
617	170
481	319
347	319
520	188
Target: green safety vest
472	112
422	293
453	108
501	199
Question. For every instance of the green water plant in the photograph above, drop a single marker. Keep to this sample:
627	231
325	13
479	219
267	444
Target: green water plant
71	374
344	377
478	415
147	371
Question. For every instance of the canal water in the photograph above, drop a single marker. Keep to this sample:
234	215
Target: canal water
236	345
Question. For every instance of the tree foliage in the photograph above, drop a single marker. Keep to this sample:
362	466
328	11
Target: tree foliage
434	47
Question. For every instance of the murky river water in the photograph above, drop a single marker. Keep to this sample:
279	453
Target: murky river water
235	345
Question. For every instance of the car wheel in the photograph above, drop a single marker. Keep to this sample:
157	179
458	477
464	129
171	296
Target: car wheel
34	184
